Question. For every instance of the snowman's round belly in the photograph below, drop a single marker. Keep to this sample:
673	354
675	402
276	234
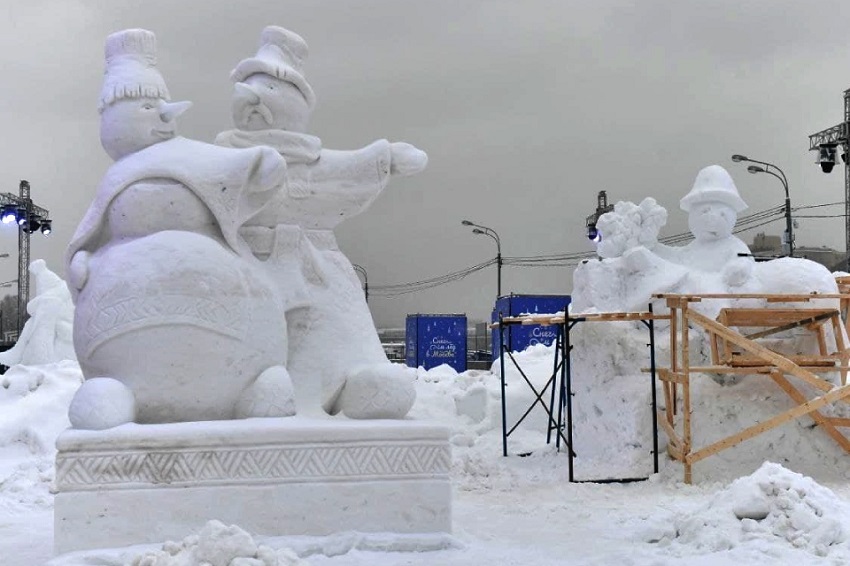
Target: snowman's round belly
182	321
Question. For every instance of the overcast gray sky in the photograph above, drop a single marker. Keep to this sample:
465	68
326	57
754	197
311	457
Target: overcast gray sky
526	108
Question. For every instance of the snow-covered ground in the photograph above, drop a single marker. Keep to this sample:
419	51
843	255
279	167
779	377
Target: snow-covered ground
515	510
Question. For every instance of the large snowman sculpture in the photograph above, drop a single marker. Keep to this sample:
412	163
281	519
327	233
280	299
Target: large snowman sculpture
175	319
335	357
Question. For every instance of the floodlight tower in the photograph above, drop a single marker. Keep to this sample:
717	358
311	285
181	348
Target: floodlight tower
826	142
29	217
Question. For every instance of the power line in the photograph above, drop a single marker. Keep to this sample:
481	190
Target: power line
572	259
816	205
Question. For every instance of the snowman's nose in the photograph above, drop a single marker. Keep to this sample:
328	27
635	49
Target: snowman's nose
169	111
247	93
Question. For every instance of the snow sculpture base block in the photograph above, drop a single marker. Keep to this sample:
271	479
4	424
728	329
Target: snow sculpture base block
138	484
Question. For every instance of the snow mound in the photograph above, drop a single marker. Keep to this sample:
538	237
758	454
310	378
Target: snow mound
34	404
773	504
218	545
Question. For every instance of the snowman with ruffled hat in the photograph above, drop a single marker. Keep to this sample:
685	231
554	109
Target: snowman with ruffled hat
175	320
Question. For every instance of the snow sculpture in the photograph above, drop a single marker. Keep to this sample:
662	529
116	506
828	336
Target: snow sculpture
47	335
272	103
635	265
172	308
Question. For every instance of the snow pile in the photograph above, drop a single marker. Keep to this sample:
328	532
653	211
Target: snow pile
469	403
34	404
771	504
218	545
33	411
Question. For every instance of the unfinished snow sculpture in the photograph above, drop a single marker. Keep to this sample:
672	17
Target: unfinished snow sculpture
170	301
46	336
635	264
272	103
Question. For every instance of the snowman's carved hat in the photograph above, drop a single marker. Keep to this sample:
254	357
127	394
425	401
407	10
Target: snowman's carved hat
131	68
281	55
713	184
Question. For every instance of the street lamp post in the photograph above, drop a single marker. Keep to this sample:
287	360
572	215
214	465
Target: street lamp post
484	230
362	272
789	224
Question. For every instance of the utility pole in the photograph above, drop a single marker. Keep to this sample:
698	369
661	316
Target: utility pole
29	217
825	143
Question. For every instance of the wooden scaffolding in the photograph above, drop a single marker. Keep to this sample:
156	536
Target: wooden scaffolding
735	352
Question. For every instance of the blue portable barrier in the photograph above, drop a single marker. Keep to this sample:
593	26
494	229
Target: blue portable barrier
435	339
520	337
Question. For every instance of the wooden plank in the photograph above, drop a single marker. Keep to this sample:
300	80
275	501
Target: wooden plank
744	360
716	348
765	369
821	334
669	430
749	432
773	317
665	374
816	416
772	297
839	421
686	386
674	321
669	404
808	322
642	315
675	453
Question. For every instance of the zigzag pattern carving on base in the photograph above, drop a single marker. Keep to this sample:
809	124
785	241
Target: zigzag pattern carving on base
260	465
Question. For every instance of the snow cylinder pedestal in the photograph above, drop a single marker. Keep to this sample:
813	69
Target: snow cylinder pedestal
519	337
435	339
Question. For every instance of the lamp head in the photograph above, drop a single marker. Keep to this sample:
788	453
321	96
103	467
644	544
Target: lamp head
737	158
755	169
477	231
826	157
466	223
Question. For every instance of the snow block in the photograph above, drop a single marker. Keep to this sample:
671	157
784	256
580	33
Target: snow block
140	484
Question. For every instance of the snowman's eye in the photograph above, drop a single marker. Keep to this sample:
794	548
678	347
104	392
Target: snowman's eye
148	106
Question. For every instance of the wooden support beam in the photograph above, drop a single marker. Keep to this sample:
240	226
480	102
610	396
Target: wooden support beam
839	421
669	407
686	386
747	370
669	431
665	374
675	453
807	320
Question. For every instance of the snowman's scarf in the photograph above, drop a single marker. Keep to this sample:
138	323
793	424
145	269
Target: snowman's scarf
293	146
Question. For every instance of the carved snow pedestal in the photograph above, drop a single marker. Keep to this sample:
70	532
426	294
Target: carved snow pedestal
137	484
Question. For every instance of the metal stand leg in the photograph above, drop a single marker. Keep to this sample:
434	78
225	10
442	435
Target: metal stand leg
502	368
